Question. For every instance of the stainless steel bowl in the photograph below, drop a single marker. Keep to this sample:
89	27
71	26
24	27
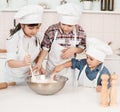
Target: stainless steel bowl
47	88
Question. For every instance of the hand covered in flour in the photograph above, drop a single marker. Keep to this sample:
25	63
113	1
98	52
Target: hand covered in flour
68	52
27	60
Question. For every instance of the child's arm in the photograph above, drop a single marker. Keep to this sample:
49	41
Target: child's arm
61	67
20	63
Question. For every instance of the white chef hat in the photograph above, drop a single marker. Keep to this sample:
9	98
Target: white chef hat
97	49
69	13
30	14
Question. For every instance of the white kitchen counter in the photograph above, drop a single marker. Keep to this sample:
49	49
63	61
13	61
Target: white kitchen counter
23	99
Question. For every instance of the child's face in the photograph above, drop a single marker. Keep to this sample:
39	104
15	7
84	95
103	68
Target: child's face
30	30
92	62
67	28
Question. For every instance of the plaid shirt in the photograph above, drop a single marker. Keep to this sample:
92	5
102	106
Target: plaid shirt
64	38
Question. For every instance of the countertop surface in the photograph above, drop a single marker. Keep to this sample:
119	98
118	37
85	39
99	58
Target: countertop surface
81	99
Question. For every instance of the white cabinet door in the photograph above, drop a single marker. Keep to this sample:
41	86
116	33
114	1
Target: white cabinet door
2	62
113	66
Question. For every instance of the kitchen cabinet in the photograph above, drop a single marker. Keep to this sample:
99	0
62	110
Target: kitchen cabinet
2	63
113	64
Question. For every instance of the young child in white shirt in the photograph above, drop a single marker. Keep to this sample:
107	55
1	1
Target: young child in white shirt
23	45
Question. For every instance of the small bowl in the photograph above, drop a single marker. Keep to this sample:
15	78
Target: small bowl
48	88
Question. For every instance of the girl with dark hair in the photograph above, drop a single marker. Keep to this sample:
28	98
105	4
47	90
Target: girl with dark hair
23	45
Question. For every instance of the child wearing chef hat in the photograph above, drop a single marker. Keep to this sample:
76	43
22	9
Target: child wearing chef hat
23	45
92	67
62	40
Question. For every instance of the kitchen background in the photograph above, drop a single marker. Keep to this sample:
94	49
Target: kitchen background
96	23
52	5
104	25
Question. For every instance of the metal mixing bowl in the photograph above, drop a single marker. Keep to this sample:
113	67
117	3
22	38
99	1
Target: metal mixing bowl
47	88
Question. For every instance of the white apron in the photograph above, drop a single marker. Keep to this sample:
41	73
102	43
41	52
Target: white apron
84	81
19	74
54	59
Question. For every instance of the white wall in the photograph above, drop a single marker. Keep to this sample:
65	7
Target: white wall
52	4
13	4
19	3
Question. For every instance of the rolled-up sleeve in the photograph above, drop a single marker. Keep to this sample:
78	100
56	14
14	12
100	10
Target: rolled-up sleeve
11	47
82	36
48	39
79	64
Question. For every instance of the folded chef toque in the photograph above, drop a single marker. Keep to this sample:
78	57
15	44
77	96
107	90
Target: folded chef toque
30	14
69	13
97	49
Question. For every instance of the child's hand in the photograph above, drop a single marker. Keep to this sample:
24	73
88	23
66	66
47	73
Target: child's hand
67	53
58	69
37	67
52	76
27	59
42	70
98	88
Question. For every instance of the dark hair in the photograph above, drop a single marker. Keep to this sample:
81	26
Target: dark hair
32	25
14	30
18	27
